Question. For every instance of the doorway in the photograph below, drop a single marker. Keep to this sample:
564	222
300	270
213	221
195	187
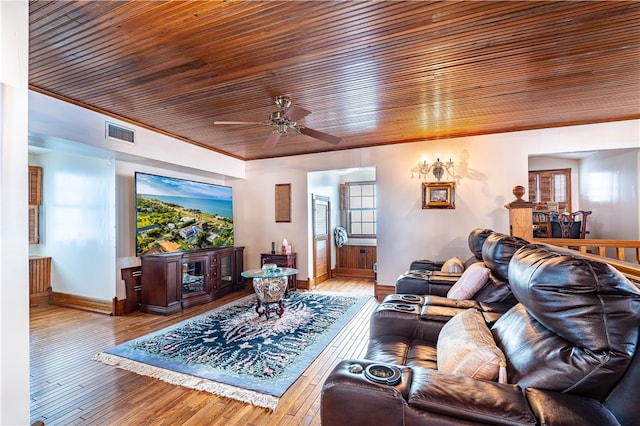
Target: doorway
321	227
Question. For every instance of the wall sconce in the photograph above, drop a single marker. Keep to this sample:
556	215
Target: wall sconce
438	168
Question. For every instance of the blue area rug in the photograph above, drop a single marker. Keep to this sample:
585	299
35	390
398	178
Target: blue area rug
232	352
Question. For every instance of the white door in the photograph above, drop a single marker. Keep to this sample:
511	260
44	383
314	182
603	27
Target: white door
321	240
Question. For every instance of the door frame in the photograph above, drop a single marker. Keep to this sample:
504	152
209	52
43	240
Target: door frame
322	198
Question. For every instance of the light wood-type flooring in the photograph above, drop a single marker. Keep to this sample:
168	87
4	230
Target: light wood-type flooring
69	388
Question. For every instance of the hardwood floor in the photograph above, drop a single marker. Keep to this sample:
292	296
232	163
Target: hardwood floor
69	388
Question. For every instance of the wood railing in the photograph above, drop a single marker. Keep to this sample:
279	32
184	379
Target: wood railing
601	249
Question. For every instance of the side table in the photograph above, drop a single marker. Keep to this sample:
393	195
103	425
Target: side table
284	261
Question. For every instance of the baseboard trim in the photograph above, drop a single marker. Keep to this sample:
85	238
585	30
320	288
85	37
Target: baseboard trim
119	306
309	284
81	302
39	299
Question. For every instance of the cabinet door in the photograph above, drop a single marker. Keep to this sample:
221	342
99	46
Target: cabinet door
226	268
194	275
172	276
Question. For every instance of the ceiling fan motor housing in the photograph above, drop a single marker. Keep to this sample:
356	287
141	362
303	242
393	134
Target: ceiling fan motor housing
283	102
276	116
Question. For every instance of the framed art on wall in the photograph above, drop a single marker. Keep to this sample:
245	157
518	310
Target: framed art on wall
283	202
438	195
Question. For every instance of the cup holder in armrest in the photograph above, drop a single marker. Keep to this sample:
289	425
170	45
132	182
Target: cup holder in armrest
384	374
406	298
400	307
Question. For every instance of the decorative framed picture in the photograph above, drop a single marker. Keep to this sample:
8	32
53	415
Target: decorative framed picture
438	195
283	202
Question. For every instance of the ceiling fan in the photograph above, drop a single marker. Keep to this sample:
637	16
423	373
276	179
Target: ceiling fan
285	119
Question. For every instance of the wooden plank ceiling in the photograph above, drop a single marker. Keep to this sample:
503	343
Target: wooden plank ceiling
372	73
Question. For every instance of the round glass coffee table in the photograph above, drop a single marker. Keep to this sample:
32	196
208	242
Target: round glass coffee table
270	285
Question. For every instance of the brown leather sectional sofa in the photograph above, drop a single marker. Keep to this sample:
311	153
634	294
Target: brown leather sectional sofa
565	354
491	248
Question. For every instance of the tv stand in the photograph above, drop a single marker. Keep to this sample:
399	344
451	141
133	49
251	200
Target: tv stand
175	281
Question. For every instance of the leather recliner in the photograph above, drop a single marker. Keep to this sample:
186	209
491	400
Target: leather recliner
571	349
475	241
495	253
427	277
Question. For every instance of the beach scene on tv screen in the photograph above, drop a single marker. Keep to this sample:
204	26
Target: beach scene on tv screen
180	215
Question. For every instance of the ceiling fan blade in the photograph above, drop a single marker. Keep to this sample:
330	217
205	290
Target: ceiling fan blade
272	140
236	122
320	135
295	113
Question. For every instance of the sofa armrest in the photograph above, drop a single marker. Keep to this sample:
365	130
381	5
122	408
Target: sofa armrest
558	408
390	319
451	303
441	313
449	278
422	396
426	282
444	311
471	400
426	265
350	398
466	304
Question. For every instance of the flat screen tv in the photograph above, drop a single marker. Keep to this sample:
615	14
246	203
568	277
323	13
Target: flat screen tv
179	215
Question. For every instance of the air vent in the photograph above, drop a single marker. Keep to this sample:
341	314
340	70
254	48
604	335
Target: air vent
120	133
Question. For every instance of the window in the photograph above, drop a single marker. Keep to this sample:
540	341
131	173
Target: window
551	185
358	200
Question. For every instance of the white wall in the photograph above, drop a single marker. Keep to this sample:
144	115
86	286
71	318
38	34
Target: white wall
405	231
14	248
51	118
87	199
256	227
609	187
56	127
488	167
78	223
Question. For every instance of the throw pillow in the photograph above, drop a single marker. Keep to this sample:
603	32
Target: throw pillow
453	265
466	348
472	280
